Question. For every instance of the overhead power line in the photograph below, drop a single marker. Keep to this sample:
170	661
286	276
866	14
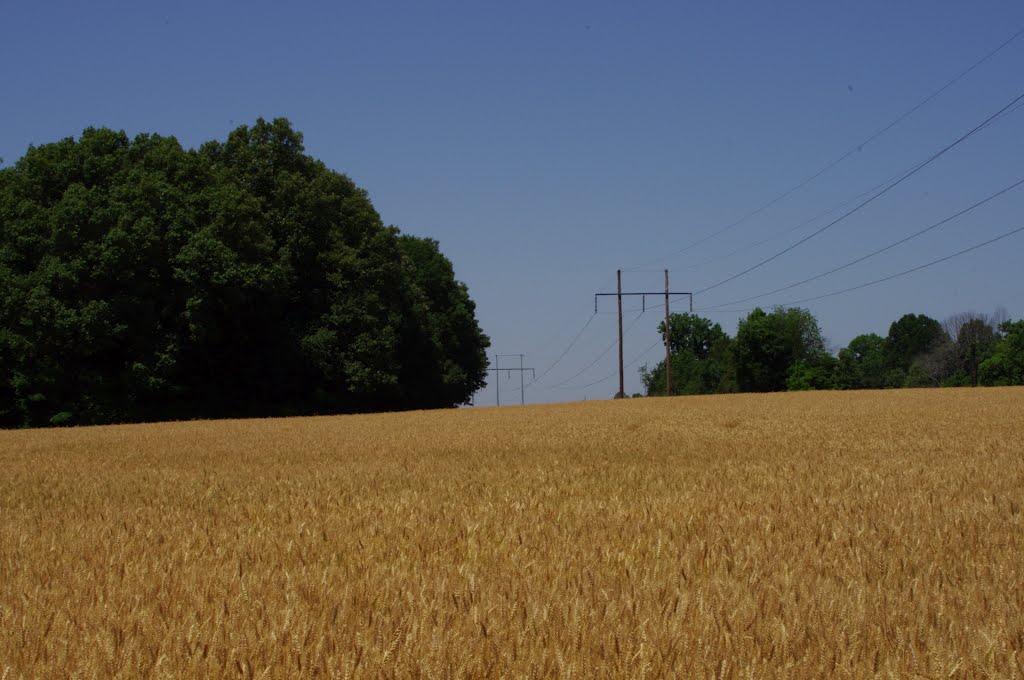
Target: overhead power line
565	351
870	200
876	252
616	371
810	220
854	149
602	354
750	246
914	269
890	277
572	343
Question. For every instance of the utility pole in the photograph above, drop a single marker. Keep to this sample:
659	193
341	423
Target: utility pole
521	370
622	379
522	374
643	294
668	351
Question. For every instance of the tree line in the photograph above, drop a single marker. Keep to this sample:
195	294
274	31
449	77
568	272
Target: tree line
783	349
142	281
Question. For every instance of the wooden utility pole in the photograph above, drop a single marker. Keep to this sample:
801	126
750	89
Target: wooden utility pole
622	375
668	357
668	350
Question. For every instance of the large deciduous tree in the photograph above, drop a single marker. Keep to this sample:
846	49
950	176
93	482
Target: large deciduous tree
143	281
768	345
975	343
910	337
702	361
861	364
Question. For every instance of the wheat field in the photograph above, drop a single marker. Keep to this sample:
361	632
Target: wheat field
809	535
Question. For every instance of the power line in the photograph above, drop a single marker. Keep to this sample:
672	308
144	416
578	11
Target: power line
646	309
912	270
614	373
877	252
750	246
855	149
602	354
566	350
886	278
861	205
810	220
577	337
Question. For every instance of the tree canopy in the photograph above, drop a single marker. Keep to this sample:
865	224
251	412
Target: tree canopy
143	281
910	337
784	350
768	344
1005	363
861	364
701	358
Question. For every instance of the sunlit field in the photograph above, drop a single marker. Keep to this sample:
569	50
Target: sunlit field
794	535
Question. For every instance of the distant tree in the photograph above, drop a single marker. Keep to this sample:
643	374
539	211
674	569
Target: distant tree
936	367
1005	365
692	333
701	358
861	364
975	342
816	374
768	344
910	337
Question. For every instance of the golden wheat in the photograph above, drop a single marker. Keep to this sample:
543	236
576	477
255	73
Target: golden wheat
794	535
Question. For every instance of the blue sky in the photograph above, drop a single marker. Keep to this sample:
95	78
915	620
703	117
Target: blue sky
545	145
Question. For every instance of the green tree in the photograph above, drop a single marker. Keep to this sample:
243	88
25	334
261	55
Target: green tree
142	281
452	363
816	374
861	364
767	345
1005	365
936	367
83	227
692	333
910	337
975	342
701	358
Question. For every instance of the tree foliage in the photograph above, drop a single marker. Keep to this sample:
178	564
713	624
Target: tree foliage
975	342
862	365
143	281
701	358
1005	365
816	374
910	337
768	344
784	349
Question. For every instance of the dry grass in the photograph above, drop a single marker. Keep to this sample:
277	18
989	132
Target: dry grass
796	535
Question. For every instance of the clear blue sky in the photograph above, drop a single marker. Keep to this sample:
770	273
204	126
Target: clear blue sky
547	144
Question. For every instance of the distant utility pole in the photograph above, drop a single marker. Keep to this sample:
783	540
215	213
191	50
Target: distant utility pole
521	370
643	297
